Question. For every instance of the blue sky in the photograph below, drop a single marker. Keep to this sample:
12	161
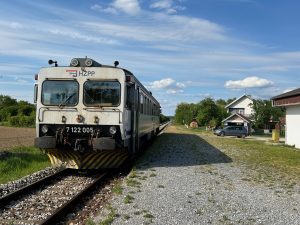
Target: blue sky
182	50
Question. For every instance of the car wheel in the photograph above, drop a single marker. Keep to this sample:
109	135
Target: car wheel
243	135
222	134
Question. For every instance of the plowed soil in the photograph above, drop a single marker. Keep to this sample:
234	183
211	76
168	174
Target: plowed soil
13	137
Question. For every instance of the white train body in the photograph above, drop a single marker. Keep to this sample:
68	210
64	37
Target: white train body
83	110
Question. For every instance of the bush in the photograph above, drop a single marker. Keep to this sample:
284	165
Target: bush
16	113
22	121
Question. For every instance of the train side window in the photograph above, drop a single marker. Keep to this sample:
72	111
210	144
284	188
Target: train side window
141	103
145	105
152	109
35	93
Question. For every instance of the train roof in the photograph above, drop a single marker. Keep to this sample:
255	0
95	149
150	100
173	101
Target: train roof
87	62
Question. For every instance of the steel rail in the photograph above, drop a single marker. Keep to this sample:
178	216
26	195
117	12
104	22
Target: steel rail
27	189
60	213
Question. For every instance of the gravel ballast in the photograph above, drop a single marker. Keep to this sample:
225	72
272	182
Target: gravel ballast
27	180
184	180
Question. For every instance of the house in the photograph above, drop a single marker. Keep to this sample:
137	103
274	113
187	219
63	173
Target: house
241	105
291	101
241	110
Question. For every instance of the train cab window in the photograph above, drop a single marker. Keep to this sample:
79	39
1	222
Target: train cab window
60	92
101	93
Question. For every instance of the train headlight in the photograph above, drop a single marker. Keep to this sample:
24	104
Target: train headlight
79	118
112	130
45	129
74	62
63	119
88	62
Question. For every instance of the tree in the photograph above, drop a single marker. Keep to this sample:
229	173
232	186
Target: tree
207	111
264	112
16	113
6	101
185	112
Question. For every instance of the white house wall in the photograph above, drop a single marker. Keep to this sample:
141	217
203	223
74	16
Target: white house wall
292	136
244	103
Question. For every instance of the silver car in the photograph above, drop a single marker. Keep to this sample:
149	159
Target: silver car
238	131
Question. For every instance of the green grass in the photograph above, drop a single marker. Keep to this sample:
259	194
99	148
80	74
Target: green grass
258	153
263	162
148	216
20	162
117	189
128	199
110	217
133	183
90	222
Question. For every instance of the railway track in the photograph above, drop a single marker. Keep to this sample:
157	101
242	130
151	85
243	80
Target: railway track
47	201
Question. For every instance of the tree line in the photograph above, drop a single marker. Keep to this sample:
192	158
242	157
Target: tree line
210	112
22	114
16	113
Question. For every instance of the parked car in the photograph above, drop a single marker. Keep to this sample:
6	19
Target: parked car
238	131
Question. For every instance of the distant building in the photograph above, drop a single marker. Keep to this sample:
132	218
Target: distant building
291	101
241	110
241	105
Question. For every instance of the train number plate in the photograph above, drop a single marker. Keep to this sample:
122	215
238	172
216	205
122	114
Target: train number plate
79	130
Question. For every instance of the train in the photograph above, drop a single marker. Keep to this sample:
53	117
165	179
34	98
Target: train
92	116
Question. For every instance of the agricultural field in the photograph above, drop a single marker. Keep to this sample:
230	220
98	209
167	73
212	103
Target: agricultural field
13	137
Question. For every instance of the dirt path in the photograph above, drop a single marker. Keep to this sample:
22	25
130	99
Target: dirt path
12	137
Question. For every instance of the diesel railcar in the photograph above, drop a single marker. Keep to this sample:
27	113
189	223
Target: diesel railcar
92	116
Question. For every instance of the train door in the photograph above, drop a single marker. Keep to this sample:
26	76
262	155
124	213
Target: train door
133	98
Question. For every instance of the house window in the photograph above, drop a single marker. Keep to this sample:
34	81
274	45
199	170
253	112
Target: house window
241	111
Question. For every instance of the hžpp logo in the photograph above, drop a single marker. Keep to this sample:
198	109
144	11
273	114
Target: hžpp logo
75	73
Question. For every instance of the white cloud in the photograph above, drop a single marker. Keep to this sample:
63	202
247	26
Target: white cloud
168	84
171	28
249	82
163	4
167	5
131	7
162	83
289	89
80	36
15	25
108	9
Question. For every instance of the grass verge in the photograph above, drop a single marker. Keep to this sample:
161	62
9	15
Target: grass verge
21	161
270	162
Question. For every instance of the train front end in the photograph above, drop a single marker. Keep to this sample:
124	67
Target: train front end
81	121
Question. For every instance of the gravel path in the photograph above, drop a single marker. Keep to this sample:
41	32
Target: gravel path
184	180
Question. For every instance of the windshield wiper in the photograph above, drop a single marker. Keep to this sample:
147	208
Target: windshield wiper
64	102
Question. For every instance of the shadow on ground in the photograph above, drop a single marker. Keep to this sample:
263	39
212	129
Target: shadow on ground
177	149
